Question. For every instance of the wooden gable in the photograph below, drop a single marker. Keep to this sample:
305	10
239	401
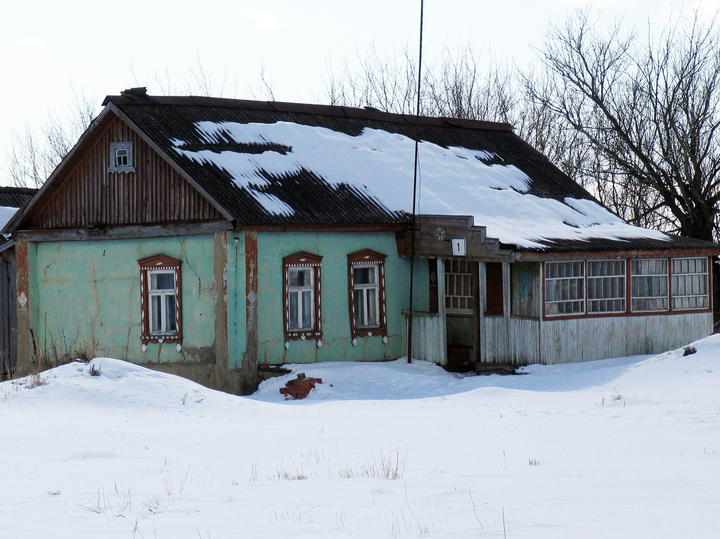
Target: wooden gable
85	193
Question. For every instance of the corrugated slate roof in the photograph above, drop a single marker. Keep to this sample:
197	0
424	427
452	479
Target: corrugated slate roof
167	119
15	197
303	196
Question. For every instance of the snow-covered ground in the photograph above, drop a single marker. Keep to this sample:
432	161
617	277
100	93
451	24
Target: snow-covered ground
618	448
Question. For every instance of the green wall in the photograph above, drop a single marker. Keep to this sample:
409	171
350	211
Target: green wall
85	297
236	298
336	342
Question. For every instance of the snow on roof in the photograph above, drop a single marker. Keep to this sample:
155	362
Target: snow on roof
452	181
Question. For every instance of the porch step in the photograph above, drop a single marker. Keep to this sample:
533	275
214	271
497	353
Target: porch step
494	368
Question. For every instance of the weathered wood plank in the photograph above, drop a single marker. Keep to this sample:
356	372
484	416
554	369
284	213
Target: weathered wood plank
124	232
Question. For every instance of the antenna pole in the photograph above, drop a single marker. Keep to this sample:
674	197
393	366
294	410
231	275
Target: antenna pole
415	193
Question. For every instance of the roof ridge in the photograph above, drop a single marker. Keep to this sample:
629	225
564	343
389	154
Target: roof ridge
367	113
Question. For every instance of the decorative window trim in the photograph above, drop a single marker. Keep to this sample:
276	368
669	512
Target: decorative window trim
312	262
149	265
367	257
118	162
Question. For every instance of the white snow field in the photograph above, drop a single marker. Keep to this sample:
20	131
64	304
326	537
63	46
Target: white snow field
617	448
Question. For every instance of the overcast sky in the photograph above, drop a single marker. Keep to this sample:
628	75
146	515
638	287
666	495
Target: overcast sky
48	49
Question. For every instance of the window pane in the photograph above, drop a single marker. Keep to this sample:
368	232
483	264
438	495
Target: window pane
372	319
293	301
171	315
300	277
156	314
364	275
306	309
359	307
121	157
162	281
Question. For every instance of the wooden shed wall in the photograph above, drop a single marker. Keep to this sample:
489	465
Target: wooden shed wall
8	313
88	194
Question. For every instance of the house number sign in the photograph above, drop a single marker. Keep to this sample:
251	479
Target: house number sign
459	247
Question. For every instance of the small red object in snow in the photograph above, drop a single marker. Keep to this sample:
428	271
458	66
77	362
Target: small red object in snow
300	387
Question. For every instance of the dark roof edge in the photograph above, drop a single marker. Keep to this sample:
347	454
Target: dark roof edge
18	190
280	106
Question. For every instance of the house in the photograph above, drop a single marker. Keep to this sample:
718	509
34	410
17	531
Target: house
217	238
11	198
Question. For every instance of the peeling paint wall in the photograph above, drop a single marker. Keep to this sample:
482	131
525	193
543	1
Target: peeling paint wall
85	297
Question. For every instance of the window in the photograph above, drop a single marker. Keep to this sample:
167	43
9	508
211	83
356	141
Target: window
302	313
606	286
690	283
653	282
367	293
649	285
161	319
564	288
121	157
459	289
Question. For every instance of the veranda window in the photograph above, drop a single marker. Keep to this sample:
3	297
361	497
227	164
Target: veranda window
564	288
690	283
606	286
649	284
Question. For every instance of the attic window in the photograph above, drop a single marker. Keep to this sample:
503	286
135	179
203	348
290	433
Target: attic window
121	157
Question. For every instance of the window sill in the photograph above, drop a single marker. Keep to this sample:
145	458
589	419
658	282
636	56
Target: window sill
121	169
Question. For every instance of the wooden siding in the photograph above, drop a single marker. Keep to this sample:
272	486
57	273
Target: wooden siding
428	337
527	341
588	339
8	313
88	195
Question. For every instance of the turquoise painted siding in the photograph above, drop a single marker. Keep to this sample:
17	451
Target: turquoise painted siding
85	296
336	342
236	298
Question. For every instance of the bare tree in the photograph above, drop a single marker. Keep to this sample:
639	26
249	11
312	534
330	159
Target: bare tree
35	151
462	83
649	110
369	80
